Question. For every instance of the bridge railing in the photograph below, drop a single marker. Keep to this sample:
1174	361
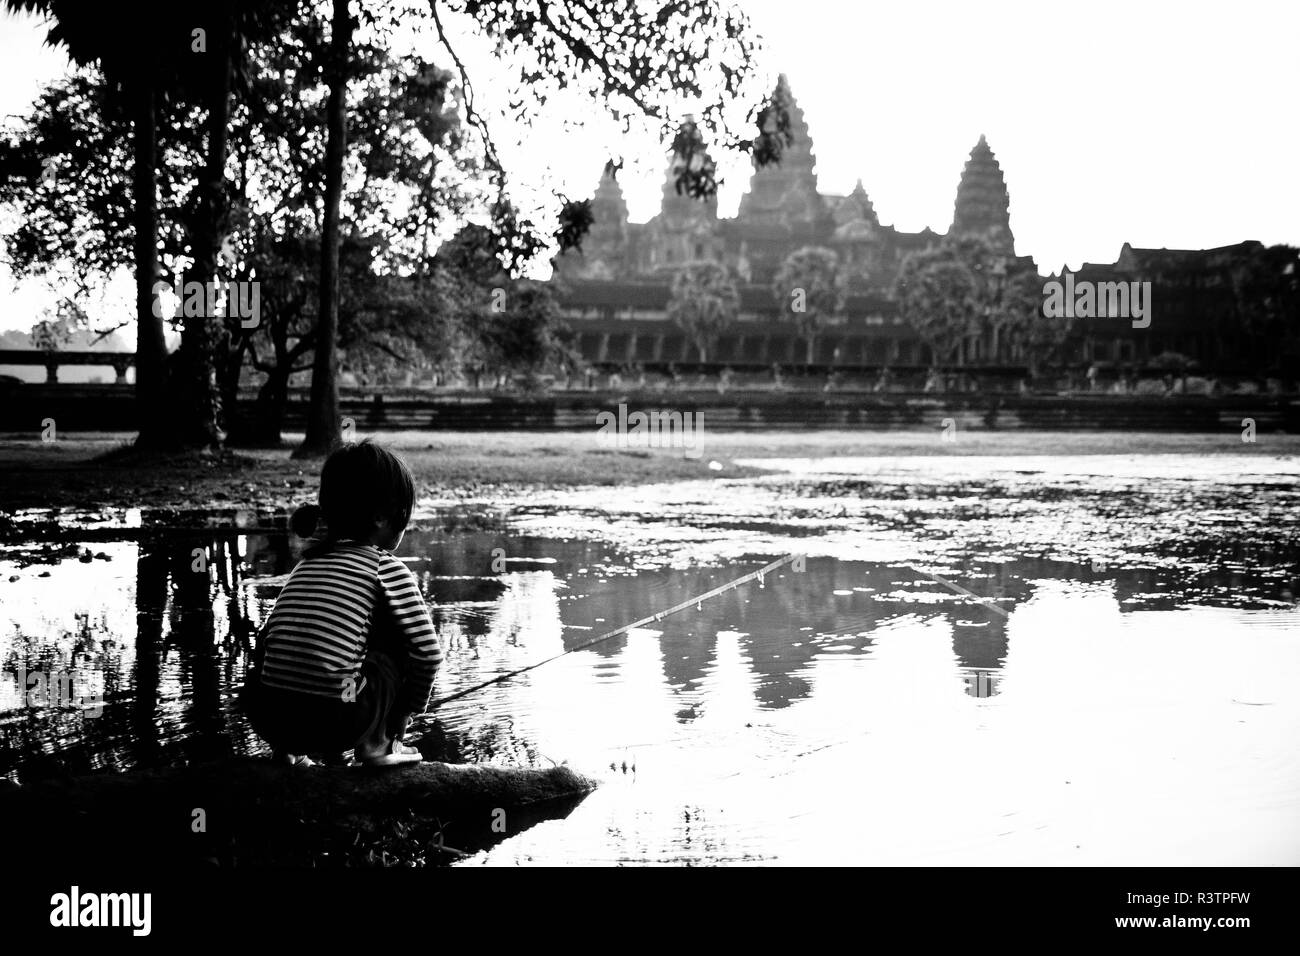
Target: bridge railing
119	362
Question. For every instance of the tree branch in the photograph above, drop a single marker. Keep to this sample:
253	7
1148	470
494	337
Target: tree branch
471	114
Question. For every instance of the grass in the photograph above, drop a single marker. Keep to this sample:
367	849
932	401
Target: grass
90	471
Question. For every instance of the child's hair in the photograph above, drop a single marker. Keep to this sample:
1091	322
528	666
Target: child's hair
360	484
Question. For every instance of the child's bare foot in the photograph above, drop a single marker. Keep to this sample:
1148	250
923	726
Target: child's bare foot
396	754
293	760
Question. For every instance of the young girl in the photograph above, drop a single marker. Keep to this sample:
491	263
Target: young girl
349	652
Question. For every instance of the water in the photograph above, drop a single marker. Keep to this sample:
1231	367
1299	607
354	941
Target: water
1056	660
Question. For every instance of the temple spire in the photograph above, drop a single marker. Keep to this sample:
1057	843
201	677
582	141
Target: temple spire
680	205
608	206
857	205
786	190
603	252
983	205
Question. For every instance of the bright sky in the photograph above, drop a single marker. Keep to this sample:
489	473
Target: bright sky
1157	123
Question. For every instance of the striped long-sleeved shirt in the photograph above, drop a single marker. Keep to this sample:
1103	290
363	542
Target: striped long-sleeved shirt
317	634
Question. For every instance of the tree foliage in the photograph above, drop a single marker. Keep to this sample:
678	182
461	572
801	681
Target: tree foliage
938	296
65	176
809	288
629	58
963	289
703	302
1032	337
1266	291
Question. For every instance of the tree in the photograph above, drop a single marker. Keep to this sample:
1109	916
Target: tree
1266	299
1033	337
140	55
1175	364
964	290
527	336
494	322
939	296
703	303
809	286
323	426
53	333
220	31
411	172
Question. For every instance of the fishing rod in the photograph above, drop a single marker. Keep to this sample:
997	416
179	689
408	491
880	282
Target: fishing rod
795	559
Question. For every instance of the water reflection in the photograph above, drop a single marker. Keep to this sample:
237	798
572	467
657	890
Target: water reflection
199	597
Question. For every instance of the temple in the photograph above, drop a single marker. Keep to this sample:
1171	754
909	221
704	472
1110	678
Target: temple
780	212
615	288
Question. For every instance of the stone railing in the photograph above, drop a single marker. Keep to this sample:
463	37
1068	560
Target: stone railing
118	361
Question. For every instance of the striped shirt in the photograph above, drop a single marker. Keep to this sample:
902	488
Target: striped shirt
318	632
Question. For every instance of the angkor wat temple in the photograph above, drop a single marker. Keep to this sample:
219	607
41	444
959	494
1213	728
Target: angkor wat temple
780	212
616	287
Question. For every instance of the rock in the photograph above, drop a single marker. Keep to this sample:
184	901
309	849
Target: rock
267	815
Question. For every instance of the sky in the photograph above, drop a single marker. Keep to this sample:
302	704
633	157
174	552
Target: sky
1154	123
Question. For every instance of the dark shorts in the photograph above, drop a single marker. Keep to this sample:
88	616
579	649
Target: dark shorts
309	724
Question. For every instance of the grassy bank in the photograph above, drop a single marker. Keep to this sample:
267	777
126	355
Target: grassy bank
71	472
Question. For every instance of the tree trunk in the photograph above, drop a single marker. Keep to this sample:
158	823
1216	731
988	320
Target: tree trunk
232	361
151	346
323	426
268	413
194	396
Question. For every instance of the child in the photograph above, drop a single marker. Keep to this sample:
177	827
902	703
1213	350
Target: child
349	652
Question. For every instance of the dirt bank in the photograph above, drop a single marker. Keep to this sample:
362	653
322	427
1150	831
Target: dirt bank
475	465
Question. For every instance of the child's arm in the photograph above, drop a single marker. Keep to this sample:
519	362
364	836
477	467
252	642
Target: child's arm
400	593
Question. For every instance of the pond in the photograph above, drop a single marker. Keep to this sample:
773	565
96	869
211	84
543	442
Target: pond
1040	661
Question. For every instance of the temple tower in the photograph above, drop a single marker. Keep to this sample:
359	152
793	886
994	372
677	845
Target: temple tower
983	206
857	237
782	210
857	207
686	229
604	252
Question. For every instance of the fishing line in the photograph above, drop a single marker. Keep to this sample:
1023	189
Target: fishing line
649	590
695	601
958	589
